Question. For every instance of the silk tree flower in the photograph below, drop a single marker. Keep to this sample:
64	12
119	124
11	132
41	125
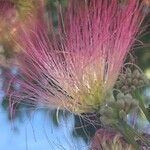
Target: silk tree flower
76	67
6	9
7	15
147	2
106	139
11	13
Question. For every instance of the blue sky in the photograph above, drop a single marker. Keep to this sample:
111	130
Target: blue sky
38	133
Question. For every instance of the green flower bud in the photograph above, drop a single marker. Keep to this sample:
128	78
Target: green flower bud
141	83
128	70
120	104
128	96
134	105
145	79
135	82
122	77
108	121
120	96
125	88
111	104
119	83
106	111
129	81
127	105
136	73
122	114
132	88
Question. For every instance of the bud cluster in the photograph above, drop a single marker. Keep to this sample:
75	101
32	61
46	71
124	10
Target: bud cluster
118	109
131	80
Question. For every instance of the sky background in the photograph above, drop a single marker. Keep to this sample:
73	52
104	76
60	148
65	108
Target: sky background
37	132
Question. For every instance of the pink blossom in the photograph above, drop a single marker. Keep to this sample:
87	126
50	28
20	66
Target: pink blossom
76	67
7	10
106	139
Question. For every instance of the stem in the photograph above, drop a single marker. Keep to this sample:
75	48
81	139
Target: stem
145	111
142	106
136	134
130	133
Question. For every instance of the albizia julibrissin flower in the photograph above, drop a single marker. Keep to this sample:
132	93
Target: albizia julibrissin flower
7	14
76	68
6	9
105	139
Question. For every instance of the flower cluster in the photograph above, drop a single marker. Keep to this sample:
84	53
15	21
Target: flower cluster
76	67
79	65
129	81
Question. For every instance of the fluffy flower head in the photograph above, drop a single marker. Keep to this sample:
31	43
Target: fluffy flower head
77	66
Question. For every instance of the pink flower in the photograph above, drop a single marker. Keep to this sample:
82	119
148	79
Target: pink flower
106	139
76	67
7	9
